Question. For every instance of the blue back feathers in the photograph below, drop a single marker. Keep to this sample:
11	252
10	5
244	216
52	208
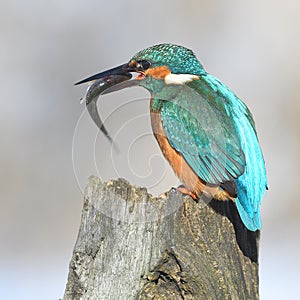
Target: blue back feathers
252	184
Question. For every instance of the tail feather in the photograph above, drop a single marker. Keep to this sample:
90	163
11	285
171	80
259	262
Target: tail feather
251	220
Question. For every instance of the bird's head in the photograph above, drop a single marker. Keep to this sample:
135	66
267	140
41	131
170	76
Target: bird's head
177	59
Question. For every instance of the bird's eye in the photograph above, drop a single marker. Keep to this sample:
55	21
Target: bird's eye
144	64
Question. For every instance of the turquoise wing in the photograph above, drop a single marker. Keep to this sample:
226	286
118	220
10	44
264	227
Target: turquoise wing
197	125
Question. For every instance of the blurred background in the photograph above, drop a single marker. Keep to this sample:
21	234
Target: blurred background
49	145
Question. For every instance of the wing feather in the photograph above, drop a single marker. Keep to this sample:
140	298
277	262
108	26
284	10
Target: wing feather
202	131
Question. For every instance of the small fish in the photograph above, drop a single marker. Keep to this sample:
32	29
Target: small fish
99	87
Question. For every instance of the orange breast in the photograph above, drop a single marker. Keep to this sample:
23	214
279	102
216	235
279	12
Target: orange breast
181	168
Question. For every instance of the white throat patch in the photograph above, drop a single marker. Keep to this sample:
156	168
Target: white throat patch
180	78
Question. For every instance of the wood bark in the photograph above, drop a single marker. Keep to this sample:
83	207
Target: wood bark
131	245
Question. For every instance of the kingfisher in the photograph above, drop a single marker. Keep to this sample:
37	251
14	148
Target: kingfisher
206	133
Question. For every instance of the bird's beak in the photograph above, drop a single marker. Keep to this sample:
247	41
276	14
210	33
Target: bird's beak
103	83
122	70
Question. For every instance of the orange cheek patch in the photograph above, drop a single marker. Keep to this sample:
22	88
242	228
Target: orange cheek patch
158	72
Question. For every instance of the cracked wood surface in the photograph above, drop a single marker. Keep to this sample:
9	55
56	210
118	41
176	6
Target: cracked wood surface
131	245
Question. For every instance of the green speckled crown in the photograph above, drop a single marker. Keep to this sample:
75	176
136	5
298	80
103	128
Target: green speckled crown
180	60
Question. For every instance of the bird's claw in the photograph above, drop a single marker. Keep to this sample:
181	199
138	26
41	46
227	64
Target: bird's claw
182	189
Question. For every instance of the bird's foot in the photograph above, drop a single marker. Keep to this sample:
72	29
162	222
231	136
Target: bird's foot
182	189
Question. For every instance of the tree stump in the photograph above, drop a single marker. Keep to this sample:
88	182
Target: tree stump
131	245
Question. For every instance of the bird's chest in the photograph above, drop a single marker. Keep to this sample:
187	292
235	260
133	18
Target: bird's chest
174	158
159	133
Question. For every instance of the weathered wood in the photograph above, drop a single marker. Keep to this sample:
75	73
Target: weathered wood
134	246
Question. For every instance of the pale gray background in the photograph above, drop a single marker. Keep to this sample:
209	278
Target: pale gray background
252	46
